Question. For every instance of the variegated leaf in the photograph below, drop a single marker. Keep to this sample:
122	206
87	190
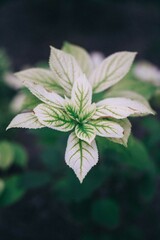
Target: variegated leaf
81	55
25	120
80	155
85	132
81	94
53	118
71	109
111	70
39	76
73	112
107	128
126	125
65	69
87	113
120	108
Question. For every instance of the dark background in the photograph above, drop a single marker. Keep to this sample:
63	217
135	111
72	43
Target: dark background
27	28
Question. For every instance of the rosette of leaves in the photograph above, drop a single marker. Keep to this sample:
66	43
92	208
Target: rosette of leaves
66	95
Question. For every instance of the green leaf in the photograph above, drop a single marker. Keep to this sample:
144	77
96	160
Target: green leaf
80	155
6	155
139	156
20	155
2	186
111	70
54	118
106	212
65	69
12	192
81	55
85	132
129	83
68	188
35	179
147	187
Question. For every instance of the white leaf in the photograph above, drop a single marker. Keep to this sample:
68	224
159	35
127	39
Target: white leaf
65	69
97	58
41	77
25	120
81	55
53	118
120	108
34	80
147	72
126	125
111	70
80	156
12	81
81	94
85	132
107	128
17	102
131	95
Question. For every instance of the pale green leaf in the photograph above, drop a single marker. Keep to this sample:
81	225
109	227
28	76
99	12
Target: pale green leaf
126	125
120	108
39	76
81	94
80	155
25	120
85	132
107	128
111	70
53	118
81	55
129	83
65	69
6	155
2	186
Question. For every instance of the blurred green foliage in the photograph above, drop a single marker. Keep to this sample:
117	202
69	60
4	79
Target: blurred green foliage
115	192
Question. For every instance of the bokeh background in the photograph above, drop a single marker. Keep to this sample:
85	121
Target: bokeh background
120	199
